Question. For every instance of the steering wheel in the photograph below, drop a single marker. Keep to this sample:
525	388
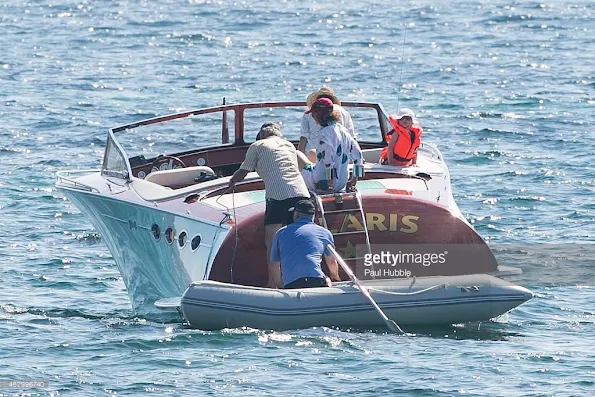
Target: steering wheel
162	163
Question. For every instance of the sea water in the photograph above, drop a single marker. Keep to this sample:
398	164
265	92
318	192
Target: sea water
506	89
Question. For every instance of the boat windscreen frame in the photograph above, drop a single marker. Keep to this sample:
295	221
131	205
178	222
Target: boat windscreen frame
123	169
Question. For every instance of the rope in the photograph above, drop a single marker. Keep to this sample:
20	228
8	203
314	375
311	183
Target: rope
421	291
227	217
350	283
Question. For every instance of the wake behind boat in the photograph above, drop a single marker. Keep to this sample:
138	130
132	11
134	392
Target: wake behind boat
170	221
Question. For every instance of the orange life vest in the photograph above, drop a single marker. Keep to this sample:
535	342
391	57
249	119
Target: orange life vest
406	146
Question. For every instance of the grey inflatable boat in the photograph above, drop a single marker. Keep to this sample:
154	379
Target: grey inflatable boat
211	305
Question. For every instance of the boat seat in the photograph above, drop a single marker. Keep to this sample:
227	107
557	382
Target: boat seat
181	176
372	155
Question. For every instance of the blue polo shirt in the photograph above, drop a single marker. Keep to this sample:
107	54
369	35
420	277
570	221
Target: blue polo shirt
299	247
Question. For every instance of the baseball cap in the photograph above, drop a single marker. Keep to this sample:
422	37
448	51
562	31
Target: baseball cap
305	207
322	104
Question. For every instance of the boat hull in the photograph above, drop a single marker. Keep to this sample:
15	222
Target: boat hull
152	267
212	305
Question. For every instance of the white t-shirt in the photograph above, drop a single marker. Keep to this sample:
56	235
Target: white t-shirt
311	129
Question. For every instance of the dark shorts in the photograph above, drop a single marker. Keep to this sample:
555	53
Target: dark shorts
277	211
307	282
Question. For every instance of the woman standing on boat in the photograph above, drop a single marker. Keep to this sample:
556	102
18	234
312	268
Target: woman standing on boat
335	148
311	129
403	140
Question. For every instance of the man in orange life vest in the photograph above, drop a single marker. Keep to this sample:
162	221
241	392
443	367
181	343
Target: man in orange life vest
403	139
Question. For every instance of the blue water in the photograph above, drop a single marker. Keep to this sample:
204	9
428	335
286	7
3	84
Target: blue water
505	88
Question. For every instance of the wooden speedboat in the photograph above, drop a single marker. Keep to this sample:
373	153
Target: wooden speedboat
161	204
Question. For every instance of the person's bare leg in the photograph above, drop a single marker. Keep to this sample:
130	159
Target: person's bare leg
269	235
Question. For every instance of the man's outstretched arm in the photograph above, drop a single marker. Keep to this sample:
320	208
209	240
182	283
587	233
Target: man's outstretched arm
237	176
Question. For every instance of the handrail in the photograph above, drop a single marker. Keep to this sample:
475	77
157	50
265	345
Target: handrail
62	176
237	106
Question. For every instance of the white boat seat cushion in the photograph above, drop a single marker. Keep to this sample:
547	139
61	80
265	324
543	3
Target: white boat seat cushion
179	176
372	155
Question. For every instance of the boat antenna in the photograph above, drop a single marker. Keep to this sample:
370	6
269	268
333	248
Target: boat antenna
402	61
224	127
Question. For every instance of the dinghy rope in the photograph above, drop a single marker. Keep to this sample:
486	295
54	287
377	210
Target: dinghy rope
226	218
421	291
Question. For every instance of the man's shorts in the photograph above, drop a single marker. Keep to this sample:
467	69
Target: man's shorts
277	211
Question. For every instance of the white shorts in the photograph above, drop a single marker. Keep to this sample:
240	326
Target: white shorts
308	176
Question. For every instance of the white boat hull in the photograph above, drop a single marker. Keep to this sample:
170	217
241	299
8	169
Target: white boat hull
210	305
151	268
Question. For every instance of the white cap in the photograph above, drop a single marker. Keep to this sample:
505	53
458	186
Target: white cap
403	112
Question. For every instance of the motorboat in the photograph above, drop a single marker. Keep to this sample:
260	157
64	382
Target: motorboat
176	232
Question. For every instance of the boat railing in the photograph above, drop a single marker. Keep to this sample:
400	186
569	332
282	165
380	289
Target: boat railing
116	161
240	108
433	150
65	176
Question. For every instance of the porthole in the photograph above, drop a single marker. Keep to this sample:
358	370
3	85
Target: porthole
182	239
169	235
195	243
156	231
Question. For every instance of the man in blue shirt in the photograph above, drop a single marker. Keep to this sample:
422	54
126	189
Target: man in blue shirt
297	250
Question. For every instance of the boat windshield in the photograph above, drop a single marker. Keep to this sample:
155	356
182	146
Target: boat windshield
182	135
115	163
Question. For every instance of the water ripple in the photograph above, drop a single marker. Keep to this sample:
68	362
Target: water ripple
486	81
